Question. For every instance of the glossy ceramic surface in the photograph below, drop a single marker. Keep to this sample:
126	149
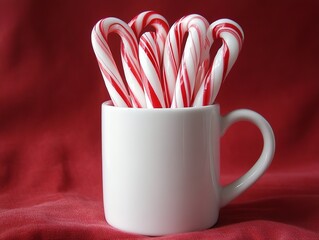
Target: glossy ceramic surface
161	167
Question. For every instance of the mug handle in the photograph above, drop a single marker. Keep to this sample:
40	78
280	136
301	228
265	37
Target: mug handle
234	189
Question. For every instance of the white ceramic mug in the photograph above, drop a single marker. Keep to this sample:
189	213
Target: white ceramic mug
161	167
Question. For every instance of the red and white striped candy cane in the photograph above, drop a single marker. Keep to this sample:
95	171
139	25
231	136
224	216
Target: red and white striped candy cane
180	70
171	59
202	69
185	82
153	20
232	37
151	64
151	46
110	72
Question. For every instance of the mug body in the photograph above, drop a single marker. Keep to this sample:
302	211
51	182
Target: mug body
161	168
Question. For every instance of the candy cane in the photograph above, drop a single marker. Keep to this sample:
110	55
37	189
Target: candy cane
185	82
151	64
232	37
180	70
154	20
129	55
171	60
151	46
202	69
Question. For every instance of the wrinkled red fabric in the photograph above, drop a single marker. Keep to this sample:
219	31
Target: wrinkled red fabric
50	135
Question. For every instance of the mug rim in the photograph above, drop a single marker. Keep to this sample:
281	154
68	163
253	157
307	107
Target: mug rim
109	104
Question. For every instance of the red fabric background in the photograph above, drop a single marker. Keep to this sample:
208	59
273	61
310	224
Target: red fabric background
50	95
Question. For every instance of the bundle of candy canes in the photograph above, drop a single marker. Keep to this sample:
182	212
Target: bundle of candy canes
166	67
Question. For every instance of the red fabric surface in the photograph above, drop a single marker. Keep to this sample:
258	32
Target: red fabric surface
50	137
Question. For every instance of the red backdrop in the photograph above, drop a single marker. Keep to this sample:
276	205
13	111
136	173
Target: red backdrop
50	96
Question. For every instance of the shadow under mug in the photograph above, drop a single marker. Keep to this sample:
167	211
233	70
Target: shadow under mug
161	167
